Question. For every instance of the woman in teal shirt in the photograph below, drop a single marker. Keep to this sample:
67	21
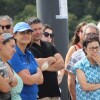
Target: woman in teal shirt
88	70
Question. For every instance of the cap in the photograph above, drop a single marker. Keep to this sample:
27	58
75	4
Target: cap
21	26
6	36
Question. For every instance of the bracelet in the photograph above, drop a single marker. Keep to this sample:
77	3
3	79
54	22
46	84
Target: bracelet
11	80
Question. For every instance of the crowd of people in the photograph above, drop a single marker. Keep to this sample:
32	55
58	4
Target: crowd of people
31	68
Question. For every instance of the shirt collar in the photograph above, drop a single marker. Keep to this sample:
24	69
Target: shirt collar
20	52
87	62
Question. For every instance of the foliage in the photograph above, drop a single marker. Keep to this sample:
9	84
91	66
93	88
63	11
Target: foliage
19	10
28	11
82	10
79	10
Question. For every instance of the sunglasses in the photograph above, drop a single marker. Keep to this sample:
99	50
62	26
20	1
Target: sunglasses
46	34
26	32
6	26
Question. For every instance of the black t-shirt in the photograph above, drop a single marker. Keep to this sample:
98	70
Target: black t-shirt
50	87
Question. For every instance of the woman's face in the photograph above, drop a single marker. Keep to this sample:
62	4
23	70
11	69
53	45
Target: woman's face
92	48
47	35
80	34
8	49
23	37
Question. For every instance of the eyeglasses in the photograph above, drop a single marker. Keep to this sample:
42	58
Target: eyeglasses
6	26
94	48
46	34
26	32
92	33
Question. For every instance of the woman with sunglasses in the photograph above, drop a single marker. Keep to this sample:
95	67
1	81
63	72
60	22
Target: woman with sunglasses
24	63
7	78
48	34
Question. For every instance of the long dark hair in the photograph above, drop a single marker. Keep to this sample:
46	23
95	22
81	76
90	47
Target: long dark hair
76	38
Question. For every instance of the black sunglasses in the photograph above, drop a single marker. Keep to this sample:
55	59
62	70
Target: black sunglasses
6	26
46	34
26	32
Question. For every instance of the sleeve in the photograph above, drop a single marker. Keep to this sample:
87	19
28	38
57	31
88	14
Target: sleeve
71	64
16	63
53	48
78	65
32	57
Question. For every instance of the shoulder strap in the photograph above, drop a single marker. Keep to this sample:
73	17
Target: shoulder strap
79	46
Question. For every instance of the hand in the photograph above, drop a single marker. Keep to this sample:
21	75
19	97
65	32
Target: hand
96	58
39	76
59	77
51	60
13	81
44	66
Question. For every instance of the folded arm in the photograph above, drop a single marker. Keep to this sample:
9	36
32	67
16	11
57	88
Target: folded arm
83	82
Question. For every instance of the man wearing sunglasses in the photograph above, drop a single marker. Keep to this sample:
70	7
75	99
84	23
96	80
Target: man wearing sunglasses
6	24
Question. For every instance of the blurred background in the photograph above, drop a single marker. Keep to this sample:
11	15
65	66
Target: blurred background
78	10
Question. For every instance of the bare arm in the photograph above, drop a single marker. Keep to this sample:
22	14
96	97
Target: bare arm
69	54
29	79
60	75
59	64
12	78
50	60
71	77
4	84
83	82
72	85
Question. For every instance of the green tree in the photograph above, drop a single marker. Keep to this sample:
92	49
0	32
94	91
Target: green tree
28	11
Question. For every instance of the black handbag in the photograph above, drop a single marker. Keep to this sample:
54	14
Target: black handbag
5	96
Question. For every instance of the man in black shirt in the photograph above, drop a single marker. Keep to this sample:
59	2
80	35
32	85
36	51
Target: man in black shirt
49	60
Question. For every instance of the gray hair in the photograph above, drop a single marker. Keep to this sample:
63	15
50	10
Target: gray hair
90	25
8	18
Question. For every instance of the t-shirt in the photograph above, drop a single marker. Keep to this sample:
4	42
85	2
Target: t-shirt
50	87
15	91
92	74
76	56
21	61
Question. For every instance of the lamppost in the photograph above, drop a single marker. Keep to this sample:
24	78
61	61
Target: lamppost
55	13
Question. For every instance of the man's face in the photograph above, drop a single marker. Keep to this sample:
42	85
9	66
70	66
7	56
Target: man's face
90	30
1	30
6	26
37	31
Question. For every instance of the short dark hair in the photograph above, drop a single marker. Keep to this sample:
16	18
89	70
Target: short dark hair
91	37
33	20
46	26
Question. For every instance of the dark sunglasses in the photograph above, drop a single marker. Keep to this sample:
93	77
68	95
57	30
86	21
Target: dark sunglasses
26	32
6	26
46	34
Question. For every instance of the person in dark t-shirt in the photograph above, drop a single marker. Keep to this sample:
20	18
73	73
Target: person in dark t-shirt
49	60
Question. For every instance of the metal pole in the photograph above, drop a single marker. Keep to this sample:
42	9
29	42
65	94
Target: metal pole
54	13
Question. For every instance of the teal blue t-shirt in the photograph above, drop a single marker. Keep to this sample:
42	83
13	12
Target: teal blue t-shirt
92	73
